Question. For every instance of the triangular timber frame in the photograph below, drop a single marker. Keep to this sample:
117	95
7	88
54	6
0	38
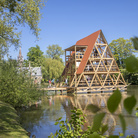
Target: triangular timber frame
90	65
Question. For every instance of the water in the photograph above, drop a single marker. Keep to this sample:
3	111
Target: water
40	119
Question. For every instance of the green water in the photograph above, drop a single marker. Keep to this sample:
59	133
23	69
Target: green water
40	119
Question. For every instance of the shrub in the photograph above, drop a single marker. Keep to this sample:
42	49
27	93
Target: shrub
16	87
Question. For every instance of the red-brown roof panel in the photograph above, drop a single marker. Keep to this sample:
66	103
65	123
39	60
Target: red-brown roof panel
90	41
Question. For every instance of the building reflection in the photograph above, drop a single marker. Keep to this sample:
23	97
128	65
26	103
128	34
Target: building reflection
81	101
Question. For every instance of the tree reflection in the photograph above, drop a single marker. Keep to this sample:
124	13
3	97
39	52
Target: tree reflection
42	114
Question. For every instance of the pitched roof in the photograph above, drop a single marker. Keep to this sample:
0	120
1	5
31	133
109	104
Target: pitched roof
89	41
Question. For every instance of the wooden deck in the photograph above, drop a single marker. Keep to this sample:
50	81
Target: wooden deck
85	89
54	89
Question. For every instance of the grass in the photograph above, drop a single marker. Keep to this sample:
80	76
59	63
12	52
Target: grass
9	123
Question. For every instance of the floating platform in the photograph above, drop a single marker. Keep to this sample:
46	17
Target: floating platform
86	89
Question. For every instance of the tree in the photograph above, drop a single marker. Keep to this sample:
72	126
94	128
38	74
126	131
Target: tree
121	49
14	13
135	42
16	87
35	55
54	52
52	68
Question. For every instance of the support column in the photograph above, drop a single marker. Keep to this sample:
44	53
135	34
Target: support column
65	57
75	66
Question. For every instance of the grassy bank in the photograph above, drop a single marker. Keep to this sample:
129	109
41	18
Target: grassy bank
9	123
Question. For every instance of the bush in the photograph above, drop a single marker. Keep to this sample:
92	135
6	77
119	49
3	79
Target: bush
130	77
16	87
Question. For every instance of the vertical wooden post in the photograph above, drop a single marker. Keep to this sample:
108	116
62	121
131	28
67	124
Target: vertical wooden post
65	57
55	92
75	66
61	92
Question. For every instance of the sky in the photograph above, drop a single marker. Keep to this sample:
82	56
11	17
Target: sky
64	22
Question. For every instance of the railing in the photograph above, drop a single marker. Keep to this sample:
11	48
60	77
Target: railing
79	55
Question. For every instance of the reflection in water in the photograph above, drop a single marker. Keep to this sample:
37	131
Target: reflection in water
40	120
81	101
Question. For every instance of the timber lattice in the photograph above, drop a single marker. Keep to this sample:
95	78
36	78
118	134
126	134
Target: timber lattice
91	65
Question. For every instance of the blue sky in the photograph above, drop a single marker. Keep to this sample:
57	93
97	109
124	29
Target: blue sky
66	21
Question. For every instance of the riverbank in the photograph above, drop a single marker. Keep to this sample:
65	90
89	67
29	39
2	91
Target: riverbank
9	123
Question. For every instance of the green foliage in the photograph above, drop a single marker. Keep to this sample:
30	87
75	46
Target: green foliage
14	13
93	108
97	121
16	86
121	49
114	101
9	122
94	135
132	64
104	128
35	55
113	136
54	52
130	77
52	68
135	42
123	123
72	128
25	63
131	136
129	103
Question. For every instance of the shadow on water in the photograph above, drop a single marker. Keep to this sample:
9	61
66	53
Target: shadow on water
40	119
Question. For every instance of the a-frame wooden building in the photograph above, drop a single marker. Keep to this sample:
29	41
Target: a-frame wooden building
91	66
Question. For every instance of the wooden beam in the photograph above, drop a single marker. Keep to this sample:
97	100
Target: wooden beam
75	66
101	44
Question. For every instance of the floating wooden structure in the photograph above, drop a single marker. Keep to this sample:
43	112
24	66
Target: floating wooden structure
90	66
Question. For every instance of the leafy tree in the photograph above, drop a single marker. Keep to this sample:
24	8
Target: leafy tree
135	42
130	77
35	55
14	13
25	63
16	86
132	64
54	52
52	68
121	49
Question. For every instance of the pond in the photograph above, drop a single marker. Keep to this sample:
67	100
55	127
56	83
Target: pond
39	119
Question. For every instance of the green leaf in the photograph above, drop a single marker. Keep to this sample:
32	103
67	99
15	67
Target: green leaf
129	103
136	108
114	101
94	135
135	42
56	123
97	121
93	108
123	123
104	128
62	122
59	119
121	134
131	64
113	136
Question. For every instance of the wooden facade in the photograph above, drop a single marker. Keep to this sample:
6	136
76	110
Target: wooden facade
91	66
